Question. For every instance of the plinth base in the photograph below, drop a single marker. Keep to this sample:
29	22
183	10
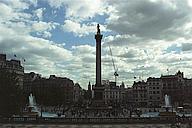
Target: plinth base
98	105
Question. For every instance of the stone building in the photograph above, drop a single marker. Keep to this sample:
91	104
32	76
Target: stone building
113	94
154	92
77	93
89	92
49	91
129	96
29	79
173	85
122	93
187	93
12	66
140	93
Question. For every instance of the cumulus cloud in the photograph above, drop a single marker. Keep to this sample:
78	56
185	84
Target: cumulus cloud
83	49
5	10
41	26
79	9
187	46
41	55
39	13
150	19
122	40
81	29
10	12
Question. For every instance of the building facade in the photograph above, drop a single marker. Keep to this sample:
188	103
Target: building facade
12	66
78	93
129	100
154	92
140	93
187	93
49	91
173	85
113	94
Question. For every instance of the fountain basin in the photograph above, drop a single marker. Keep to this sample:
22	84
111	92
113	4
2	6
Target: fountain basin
167	114
31	112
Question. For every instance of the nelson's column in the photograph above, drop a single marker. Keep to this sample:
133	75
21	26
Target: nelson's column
98	89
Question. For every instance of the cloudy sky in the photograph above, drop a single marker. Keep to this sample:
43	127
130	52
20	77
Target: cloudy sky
147	37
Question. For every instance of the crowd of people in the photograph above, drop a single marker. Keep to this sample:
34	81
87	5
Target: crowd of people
92	112
95	113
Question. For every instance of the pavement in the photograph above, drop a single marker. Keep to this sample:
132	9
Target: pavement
89	126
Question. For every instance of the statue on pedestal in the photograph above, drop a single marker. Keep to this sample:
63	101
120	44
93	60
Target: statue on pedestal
98	29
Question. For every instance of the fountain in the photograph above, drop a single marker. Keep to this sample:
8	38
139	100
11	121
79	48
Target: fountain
32	102
167	103
167	106
32	109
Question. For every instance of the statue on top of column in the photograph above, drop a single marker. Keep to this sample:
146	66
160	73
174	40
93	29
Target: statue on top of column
98	29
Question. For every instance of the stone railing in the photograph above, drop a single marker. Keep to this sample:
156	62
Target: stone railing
150	120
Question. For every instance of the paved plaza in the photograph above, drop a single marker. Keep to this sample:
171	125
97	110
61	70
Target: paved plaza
89	126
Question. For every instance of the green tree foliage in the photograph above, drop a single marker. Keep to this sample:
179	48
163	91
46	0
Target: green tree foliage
11	96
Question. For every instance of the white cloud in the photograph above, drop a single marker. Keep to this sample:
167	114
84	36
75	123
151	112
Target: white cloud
121	40
42	26
5	10
32	2
39	13
17	4
187	46
81	29
8	12
79	9
83	49
190	3
40	54
47	34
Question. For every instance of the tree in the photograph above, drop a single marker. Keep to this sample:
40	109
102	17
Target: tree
11	96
